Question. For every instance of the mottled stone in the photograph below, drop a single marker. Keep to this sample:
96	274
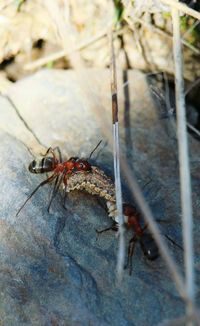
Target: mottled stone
55	269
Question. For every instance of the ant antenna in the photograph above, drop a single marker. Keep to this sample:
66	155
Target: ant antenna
95	149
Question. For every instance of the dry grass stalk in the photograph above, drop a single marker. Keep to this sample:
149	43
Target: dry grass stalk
185	182
152	225
66	52
182	7
143	206
191	127
64	29
121	251
155	29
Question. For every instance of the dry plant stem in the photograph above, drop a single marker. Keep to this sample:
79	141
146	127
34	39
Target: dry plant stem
121	251
152	225
144	208
155	29
189	30
185	182
191	127
182	7
194	84
6	5
62	53
64	28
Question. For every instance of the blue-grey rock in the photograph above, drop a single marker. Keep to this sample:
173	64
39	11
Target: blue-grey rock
55	269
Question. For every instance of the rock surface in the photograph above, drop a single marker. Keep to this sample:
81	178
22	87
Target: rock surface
55	270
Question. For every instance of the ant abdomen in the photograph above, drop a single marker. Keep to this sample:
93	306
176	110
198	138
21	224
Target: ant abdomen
149	247
46	164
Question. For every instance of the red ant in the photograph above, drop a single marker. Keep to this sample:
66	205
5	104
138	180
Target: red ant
61	171
148	245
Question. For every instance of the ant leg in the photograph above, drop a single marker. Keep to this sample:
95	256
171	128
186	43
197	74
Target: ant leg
48	180
94	149
64	197
64	189
145	227
52	151
113	227
131	248
166	236
172	241
53	193
59	153
56	188
65	175
159	220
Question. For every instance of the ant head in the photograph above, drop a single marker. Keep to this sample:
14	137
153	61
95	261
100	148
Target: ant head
149	247
74	159
83	165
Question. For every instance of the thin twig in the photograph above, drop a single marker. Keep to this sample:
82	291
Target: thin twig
143	206
191	127
185	182
138	196
145	210
183	8
189	30
158	31
66	52
4	6
193	84
64	28
121	251
170	111
140	200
